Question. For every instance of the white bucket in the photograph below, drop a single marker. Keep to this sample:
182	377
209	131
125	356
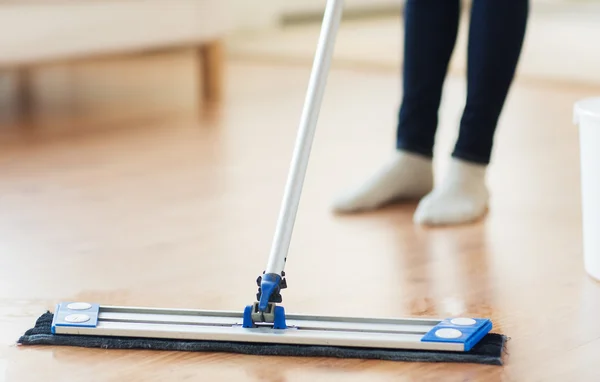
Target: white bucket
587	117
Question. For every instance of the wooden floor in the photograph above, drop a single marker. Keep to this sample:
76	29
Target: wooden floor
167	207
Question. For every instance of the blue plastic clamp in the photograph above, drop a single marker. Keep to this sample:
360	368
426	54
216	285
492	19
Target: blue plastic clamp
466	331
268	285
247	322
75	314
279	321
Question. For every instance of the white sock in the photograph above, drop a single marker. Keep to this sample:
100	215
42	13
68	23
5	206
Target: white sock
461	197
405	176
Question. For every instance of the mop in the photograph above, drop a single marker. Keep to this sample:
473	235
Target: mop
264	327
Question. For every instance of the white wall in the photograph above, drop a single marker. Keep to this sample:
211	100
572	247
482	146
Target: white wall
255	14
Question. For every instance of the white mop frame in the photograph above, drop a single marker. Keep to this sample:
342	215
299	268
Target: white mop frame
264	322
456	335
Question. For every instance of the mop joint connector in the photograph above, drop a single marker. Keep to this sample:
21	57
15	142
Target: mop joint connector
265	311
269	289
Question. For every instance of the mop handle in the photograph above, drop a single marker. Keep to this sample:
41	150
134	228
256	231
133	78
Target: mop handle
306	132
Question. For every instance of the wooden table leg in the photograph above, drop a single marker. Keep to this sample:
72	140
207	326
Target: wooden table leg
24	91
212	62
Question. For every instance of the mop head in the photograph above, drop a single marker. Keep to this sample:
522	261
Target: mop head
488	351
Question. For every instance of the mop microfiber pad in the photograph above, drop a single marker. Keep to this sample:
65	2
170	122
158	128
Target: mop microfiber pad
488	351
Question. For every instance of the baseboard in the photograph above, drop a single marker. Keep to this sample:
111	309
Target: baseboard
355	13
377	11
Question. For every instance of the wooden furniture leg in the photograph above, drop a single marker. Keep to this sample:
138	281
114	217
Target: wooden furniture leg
24	90
212	62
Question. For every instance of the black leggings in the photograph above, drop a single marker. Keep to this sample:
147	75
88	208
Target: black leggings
496	34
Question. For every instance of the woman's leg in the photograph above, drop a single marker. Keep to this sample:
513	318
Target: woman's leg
431	27
430	31
496	37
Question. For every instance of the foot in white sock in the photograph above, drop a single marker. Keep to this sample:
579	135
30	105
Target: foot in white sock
406	176
462	197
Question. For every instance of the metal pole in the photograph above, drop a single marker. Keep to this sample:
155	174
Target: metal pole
308	124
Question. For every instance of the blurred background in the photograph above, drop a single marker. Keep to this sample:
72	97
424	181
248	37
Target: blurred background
144	147
78	65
